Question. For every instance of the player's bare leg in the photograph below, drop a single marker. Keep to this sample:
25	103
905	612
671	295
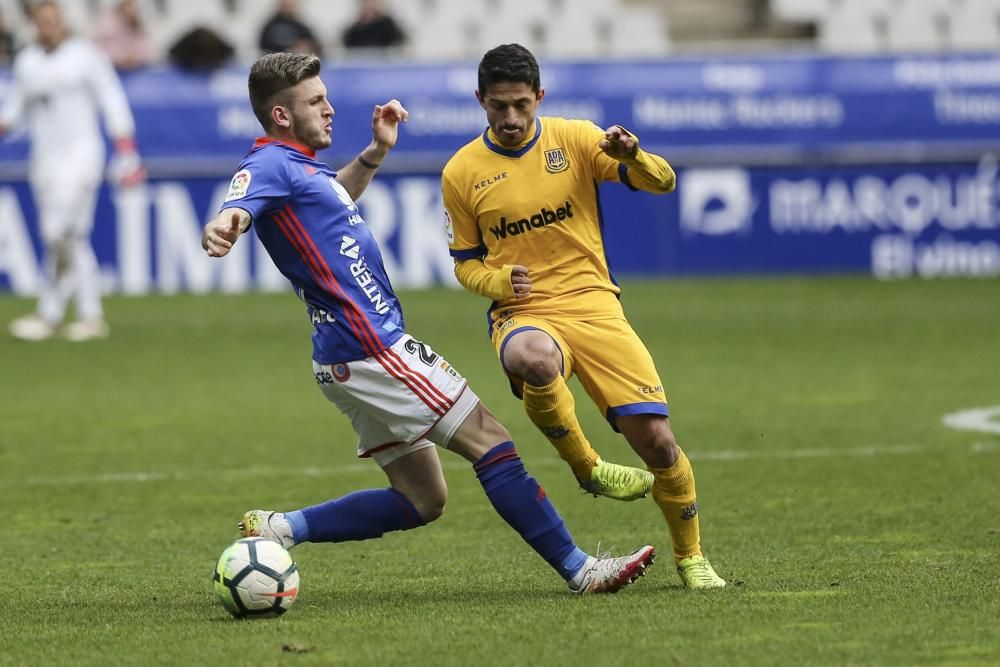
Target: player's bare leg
533	356
419	477
674	492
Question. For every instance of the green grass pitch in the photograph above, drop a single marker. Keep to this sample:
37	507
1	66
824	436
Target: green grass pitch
853	526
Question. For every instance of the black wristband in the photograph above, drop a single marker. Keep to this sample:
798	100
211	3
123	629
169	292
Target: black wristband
366	164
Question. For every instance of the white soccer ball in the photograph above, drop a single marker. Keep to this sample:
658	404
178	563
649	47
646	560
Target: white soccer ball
256	577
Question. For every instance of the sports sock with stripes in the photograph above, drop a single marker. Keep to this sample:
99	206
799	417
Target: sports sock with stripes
524	505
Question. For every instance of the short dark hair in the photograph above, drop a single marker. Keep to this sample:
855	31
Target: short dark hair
272	75
509	63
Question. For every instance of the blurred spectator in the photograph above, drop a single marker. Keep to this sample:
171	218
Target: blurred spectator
62	87
373	28
119	33
201	49
7	44
285	31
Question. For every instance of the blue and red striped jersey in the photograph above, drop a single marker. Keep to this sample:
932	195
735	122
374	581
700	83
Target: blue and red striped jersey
315	235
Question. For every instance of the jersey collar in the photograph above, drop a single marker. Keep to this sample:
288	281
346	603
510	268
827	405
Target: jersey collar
305	150
513	152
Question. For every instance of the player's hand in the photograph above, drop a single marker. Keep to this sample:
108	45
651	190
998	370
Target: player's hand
220	235
520	281
126	168
385	123
618	143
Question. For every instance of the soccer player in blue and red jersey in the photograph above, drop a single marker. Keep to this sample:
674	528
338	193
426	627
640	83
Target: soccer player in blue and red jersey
402	397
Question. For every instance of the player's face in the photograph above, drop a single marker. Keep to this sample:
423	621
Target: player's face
510	110
49	25
311	114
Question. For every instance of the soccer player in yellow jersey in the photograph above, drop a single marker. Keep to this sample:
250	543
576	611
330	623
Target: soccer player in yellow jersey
525	229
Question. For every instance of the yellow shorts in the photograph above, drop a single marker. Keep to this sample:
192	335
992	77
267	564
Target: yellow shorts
613	365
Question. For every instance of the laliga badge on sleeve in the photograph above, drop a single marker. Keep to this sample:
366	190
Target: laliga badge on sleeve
239	185
449	226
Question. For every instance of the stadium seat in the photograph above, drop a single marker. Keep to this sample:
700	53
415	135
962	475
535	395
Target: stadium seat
506	30
448	31
328	20
15	20
248	17
917	25
511	21
408	13
800	10
639	32
854	26
170	19
575	34
78	16
975	25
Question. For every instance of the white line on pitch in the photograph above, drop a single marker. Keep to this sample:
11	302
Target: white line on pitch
357	467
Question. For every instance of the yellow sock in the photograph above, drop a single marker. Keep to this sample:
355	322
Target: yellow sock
673	491
552	409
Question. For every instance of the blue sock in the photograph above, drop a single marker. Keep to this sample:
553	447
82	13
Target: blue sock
523	504
300	529
361	515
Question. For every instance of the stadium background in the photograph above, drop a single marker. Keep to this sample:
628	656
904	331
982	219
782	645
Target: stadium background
846	463
837	136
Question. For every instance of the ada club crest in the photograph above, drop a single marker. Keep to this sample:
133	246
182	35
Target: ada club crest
555	161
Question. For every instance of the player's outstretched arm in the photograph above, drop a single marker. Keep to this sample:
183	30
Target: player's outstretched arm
646	171
386	118
221	233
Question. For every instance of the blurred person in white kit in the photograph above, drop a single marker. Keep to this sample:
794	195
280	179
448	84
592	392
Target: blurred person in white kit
61	85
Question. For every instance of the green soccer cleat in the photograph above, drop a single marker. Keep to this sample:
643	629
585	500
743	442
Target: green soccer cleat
612	480
696	573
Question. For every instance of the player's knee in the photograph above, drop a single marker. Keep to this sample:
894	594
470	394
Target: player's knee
663	452
539	371
655	445
537	360
431	512
430	506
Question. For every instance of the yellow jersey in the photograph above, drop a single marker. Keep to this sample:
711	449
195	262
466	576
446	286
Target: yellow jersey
538	206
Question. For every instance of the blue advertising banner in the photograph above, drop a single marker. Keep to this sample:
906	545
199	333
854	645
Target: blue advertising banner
754	110
889	221
787	164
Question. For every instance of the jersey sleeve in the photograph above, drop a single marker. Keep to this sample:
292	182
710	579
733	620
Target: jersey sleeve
588	137
260	185
464	239
12	111
645	171
110	95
